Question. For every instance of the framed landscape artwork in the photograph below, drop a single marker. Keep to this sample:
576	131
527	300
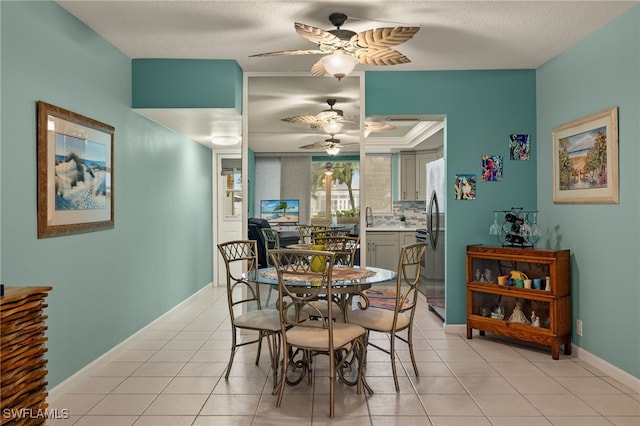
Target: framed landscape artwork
585	160
75	173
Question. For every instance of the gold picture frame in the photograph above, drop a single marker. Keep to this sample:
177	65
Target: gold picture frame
75	173
585	160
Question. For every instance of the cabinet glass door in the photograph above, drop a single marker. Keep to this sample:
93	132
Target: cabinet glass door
514	310
488	271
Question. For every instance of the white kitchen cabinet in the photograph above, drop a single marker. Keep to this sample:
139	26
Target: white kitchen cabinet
407	176
406	237
413	174
383	250
383	247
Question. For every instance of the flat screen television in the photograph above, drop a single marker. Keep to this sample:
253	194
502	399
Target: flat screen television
278	212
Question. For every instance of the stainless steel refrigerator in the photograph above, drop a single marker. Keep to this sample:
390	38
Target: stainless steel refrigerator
433	274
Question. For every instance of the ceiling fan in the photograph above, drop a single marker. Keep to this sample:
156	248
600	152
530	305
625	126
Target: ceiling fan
345	48
330	120
332	146
329	167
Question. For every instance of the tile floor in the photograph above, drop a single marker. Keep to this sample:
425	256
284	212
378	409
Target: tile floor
172	375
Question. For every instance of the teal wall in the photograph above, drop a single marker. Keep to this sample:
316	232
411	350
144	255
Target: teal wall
186	83
482	109
599	72
108	284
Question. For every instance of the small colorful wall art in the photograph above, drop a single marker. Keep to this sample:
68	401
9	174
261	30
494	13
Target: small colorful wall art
465	187
491	168
519	147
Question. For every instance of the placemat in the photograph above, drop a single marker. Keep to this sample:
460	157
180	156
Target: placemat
384	298
339	274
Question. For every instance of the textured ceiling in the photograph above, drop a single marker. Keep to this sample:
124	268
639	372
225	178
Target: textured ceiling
453	35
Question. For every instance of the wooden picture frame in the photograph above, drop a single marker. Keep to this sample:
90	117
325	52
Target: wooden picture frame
585	160
75	173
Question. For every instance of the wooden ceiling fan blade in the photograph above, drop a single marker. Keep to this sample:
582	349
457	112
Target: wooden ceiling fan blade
289	53
304	119
383	56
317	145
316	35
378	126
318	70
383	37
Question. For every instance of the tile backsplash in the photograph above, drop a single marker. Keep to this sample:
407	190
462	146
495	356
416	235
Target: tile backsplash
414	211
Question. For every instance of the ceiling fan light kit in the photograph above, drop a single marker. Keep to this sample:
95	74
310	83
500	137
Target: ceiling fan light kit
332	128
333	150
338	64
345	48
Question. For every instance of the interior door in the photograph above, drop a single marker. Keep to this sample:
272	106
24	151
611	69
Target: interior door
228	205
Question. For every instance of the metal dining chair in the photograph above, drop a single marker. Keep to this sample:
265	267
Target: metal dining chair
400	317
243	295
332	232
343	343
307	231
271	242
344	248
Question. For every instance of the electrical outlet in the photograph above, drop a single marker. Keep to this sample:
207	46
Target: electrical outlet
579	327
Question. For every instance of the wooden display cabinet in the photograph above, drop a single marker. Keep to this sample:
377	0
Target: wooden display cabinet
536	315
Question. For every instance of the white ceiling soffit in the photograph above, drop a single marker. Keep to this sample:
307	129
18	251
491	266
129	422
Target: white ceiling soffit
198	124
409	133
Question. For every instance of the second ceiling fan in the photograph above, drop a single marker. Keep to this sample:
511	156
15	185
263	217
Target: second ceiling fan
321	119
331	121
331	146
345	48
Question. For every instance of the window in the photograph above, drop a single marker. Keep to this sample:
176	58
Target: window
335	189
231	181
379	182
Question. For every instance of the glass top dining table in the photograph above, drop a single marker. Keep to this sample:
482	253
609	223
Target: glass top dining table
344	279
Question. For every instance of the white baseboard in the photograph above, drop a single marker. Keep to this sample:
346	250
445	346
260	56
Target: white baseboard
583	355
607	368
86	371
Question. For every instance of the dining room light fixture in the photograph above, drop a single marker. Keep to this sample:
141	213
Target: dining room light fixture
334	150
333	127
339	64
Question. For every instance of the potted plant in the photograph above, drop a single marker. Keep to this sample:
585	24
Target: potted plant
348	216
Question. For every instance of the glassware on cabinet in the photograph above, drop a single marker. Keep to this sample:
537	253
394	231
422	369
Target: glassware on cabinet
518	229
495	227
535	229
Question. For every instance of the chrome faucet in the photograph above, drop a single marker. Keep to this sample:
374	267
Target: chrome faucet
369	216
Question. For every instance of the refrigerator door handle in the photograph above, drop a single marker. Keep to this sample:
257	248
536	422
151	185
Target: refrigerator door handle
434	208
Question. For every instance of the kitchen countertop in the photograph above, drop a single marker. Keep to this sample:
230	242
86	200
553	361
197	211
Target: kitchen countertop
392	228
